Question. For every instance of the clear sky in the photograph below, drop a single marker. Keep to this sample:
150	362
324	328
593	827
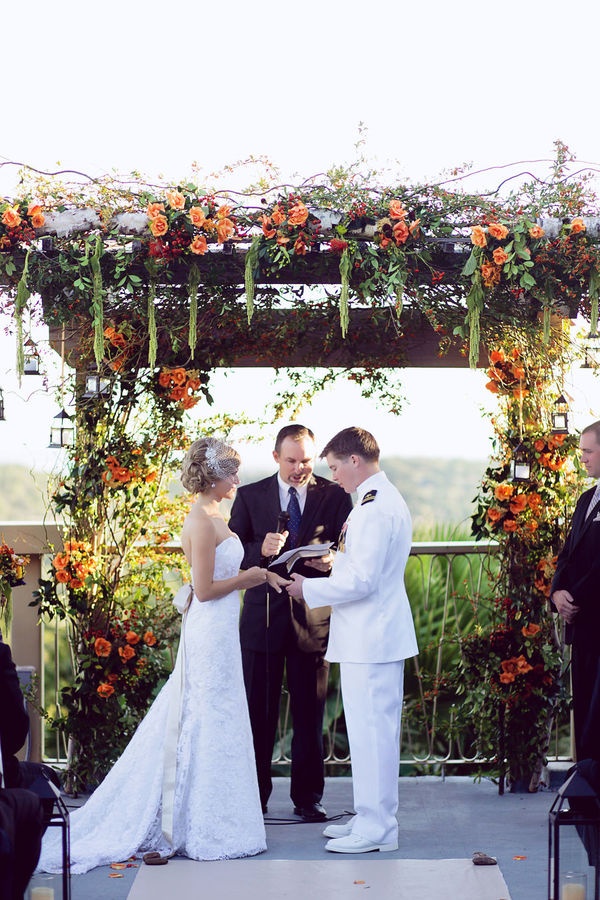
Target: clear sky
163	87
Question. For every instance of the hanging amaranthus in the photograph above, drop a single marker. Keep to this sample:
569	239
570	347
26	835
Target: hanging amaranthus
193	284
97	306
23	295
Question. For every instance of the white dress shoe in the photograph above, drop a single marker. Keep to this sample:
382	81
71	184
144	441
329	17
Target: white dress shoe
353	843
337	831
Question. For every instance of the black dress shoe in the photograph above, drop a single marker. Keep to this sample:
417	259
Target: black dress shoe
314	812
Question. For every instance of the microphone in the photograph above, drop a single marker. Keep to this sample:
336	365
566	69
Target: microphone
282	521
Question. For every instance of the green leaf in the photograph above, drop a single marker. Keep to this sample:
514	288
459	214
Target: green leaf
471	264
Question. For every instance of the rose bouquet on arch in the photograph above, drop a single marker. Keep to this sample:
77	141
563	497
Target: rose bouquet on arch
185	223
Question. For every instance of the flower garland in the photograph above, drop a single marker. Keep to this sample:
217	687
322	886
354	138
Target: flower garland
12	571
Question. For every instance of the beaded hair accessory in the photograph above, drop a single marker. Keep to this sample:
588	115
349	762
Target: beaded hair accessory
220	466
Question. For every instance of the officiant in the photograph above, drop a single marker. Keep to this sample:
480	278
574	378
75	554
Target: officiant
291	508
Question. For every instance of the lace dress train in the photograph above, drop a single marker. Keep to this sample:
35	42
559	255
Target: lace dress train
216	805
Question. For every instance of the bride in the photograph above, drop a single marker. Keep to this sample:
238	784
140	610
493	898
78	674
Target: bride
186	783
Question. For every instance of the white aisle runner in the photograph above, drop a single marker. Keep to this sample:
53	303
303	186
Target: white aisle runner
280	879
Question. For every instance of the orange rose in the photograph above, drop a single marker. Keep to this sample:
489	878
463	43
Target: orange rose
199	246
478	236
278	216
11	217
397	211
178	393
490	274
497	356
509	525
498	231
518	371
76	584
178	376
536	232
534	500
37	216
131	637
223	212
122	474
197	217
188	402
518	503
267	227
175	199
531	526
415	228
60	560
149	638
225	230
500	256
151	476
102	647
503	491
126	653
154	210
401	232
62	576
164	379
494	514
493	387
507	677
519	393
298	214
105	690
159	226
577	225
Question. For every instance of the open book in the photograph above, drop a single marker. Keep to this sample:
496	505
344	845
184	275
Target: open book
309	551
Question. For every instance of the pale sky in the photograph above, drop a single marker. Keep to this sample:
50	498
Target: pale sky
156	87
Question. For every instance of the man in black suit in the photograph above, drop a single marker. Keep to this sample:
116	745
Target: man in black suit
317	511
575	595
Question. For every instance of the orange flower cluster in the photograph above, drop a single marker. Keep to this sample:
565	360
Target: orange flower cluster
550	453
12	568
514	511
73	564
289	222
396	230
118	339
121	657
544	573
507	373
117	474
186	224
511	668
181	385
20	225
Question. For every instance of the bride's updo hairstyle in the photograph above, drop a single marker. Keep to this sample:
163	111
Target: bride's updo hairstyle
208	460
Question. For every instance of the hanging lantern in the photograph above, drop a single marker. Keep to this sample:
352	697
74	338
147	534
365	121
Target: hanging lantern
62	431
96	385
574	841
2	417
591	346
520	464
31	358
560	416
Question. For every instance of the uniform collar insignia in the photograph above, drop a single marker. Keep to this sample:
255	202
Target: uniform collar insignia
368	498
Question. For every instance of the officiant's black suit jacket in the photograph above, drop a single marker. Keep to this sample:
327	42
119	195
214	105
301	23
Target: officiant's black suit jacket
578	571
254	513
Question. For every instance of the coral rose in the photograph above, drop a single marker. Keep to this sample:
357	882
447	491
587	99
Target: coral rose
105	689
178	375
199	245
478	236
175	199
536	232
498	231
11	217
300	247
149	638
132	637
223	212
494	514
102	647
397	211
401	232
197	217
278	216
159	226
62	576
503	491
497	356
577	225
36	215
225	230
518	503
60	560
154	210
493	387
267	227
298	214
500	256
126	653
509	525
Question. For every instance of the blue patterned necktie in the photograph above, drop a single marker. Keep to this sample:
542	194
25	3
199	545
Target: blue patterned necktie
295	516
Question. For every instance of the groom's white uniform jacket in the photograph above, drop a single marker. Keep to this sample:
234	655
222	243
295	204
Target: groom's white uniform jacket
371	619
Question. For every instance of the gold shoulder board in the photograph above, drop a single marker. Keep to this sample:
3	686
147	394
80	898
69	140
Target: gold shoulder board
369	497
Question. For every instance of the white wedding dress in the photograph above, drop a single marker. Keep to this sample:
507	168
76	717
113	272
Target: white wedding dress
216	806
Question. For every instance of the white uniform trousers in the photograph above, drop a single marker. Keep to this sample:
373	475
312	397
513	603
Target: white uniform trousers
372	694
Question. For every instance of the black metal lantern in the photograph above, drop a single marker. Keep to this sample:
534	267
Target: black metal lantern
560	416
574	841
2	417
96	385
31	358
520	464
62	431
591	346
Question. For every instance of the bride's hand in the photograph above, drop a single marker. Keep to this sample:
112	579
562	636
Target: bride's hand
277	581
252	577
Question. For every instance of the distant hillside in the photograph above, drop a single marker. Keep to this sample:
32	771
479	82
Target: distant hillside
438	491
23	494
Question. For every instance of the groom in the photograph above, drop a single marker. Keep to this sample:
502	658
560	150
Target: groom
270	641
